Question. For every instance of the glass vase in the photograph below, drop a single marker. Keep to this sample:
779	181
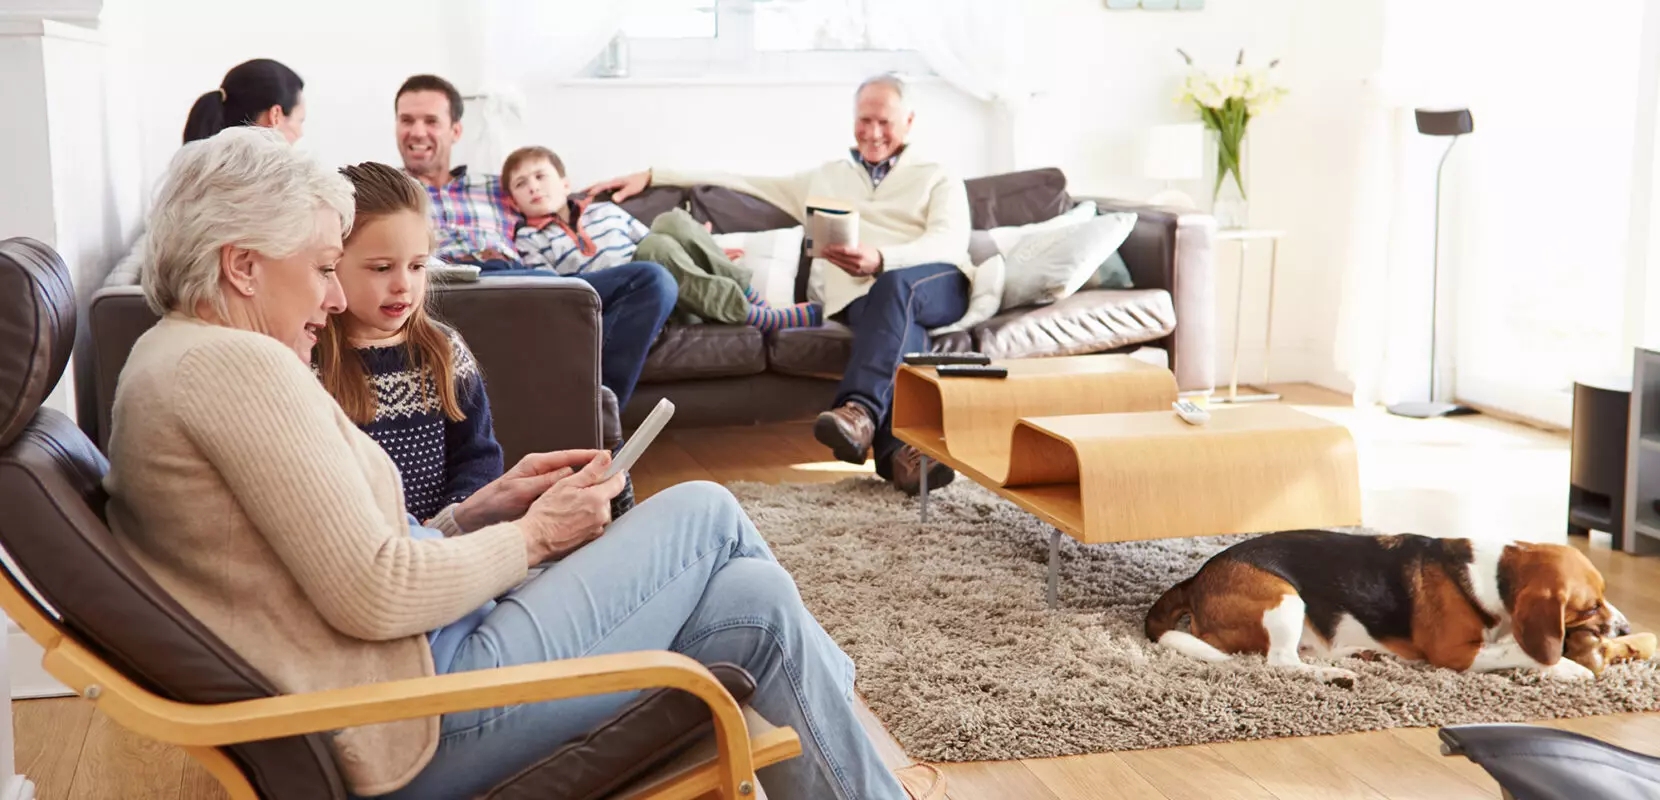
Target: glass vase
1230	203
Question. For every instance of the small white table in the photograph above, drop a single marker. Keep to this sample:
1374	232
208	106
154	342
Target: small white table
1246	237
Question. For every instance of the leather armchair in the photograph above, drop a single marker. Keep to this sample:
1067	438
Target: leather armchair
117	638
1532	762
536	340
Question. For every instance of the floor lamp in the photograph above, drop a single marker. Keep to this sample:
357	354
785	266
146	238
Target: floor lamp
1454	123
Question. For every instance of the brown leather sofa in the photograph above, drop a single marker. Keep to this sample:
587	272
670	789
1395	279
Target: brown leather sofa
734	375
537	339
115	636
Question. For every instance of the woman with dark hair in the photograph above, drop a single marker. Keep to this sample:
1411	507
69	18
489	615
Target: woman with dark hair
260	92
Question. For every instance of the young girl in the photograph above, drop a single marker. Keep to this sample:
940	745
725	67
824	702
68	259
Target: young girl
406	380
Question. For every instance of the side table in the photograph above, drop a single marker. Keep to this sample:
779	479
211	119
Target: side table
1246	237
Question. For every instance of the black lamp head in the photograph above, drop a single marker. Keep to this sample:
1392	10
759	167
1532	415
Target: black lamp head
1444	122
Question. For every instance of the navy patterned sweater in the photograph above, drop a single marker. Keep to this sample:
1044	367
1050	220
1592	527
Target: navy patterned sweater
441	461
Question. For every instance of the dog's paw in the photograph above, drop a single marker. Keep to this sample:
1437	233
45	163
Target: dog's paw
1336	677
1569	670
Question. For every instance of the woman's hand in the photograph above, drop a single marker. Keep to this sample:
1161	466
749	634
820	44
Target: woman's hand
572	513
621	188
509	497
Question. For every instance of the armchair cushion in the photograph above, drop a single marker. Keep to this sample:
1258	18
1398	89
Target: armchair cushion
642	736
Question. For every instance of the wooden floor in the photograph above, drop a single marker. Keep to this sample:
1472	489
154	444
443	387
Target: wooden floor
1469	476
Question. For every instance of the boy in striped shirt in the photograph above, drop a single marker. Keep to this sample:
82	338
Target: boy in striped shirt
572	235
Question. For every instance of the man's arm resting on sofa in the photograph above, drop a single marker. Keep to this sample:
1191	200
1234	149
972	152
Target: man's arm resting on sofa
787	192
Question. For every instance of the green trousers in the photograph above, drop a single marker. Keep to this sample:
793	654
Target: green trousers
711	286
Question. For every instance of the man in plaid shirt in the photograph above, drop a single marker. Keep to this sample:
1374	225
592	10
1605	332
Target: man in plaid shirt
473	225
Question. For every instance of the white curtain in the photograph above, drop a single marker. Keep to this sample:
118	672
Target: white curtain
979	47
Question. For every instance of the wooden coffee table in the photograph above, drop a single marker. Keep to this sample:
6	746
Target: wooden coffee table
1089	445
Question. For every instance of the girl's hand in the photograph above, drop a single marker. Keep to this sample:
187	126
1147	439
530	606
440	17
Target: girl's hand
572	513
509	497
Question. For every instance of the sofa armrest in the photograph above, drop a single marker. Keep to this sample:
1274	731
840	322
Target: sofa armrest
1175	250
537	342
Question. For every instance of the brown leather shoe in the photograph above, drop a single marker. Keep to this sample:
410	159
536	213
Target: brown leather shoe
847	431
905	470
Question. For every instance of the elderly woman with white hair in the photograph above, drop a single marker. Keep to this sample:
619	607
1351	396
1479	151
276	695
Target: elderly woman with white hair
240	485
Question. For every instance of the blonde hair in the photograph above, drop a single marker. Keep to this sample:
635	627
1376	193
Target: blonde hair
382	191
243	187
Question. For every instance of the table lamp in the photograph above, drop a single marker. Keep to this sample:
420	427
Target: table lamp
1454	123
1174	153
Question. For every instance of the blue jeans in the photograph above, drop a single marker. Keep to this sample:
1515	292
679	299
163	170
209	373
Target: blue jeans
635	300
893	319
684	571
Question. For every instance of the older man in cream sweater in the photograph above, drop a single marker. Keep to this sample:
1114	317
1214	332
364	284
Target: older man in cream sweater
906	275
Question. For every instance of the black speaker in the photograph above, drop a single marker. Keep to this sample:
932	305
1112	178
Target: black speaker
1444	122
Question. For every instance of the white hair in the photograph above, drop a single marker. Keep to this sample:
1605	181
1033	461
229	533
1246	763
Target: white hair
244	187
888	79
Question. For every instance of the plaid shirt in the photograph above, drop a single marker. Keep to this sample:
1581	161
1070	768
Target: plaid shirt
470	216
880	169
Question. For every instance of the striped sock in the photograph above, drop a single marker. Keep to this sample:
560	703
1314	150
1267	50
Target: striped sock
800	315
754	297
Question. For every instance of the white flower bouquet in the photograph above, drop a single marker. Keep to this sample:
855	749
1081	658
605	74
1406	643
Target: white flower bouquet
1226	102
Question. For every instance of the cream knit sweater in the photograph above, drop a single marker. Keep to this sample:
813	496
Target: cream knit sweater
918	215
238	483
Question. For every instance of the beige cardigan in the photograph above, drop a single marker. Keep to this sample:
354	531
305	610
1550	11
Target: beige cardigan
238	483
918	215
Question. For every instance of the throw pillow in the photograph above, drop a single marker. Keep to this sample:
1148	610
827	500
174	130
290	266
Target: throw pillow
772	257
984	299
1006	239
1051	265
1113	274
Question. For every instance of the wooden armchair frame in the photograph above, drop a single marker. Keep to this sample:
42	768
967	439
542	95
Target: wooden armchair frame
201	729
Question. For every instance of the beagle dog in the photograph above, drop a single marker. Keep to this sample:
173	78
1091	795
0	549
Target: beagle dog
1456	603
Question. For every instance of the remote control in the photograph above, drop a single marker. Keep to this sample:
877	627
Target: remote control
971	371
939	359
1190	412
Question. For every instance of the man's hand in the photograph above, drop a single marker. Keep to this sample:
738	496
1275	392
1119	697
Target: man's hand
861	261
622	188
511	495
572	513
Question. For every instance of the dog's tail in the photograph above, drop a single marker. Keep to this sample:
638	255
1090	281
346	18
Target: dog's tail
1168	611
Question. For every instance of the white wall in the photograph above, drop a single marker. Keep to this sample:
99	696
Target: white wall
604	128
352	56
1106	76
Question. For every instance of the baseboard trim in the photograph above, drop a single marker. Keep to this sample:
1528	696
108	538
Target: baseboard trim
18	787
28	678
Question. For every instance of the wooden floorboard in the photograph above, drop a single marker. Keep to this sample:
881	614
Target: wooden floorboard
1472	476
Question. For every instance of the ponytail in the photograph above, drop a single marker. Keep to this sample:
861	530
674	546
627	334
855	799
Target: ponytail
207	117
246	92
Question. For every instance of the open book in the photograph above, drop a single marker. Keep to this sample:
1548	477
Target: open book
830	222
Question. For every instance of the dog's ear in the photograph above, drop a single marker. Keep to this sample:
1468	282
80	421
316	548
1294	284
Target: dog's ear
1539	625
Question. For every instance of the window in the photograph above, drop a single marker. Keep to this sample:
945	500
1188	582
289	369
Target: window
783	39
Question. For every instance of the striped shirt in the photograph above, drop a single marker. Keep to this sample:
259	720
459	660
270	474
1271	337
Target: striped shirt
604	236
470	217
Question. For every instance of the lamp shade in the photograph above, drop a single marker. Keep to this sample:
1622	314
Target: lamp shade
1174	152
1444	121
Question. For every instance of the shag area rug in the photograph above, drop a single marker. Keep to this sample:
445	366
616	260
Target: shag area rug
962	661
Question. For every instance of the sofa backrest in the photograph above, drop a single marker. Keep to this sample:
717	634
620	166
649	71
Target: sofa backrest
1012	198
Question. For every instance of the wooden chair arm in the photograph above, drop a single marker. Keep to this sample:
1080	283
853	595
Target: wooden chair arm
202	725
